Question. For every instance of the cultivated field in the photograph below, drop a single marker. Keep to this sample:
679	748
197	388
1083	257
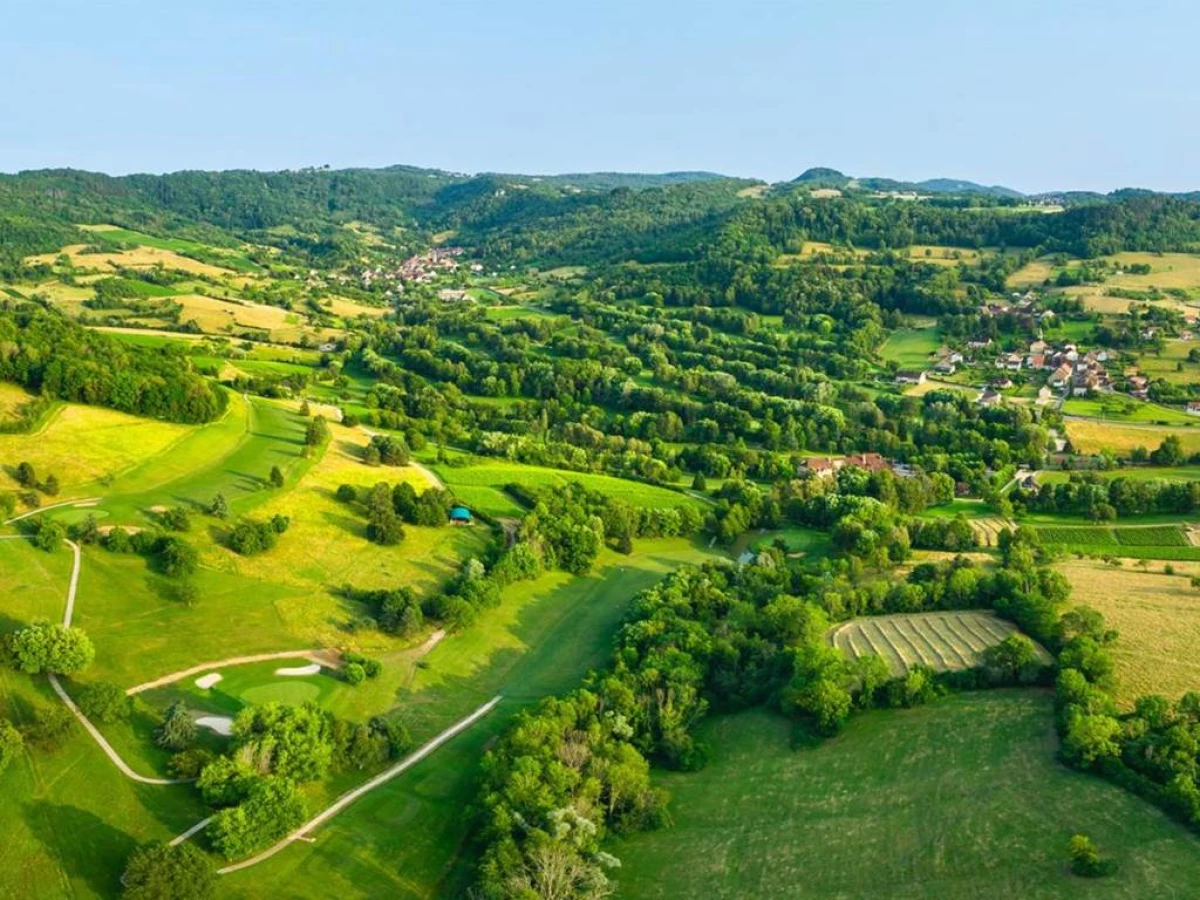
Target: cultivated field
1089	436
1158	617
988	528
943	641
959	800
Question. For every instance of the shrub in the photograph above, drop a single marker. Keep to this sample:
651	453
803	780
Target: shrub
10	743
273	808
160	872
179	558
44	647
354	673
49	535
177	731
103	701
177	519
190	763
346	493
1086	860
49	727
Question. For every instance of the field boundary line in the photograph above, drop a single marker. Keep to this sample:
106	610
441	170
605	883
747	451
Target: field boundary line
350	796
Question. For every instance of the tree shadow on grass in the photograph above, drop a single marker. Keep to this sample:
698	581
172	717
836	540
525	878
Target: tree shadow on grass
81	843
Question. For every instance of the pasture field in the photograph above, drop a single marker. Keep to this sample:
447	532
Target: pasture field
943	641
504	313
1133	473
142	257
326	545
12	398
1125	409
1088	436
911	348
959	800
81	445
1031	274
1157	617
480	485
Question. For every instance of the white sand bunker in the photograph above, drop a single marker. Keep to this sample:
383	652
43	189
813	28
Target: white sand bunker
204	682
314	669
222	725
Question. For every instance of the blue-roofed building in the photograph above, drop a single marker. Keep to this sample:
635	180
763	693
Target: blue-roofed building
460	515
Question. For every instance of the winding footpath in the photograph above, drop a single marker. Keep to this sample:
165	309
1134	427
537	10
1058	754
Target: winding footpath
320	818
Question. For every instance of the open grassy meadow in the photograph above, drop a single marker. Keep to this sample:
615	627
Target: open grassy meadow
1090	436
480	484
1119	408
942	641
911	348
1158	618
82	445
959	800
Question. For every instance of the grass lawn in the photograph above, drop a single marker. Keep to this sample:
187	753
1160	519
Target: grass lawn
406	840
68	818
326	545
911	348
1158	618
809	541
959	800
232	456
480	485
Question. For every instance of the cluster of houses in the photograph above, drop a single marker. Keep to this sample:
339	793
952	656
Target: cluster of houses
827	466
419	269
1022	307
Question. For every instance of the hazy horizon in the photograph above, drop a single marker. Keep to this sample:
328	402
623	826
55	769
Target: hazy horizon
1020	95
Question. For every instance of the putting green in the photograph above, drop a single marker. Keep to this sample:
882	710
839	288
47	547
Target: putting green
293	693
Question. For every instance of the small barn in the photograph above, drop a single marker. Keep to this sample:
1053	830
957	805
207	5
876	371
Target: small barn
460	515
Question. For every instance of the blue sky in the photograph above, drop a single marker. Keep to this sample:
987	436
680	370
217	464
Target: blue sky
1035	95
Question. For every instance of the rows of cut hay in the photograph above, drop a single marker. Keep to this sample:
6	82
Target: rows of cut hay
942	641
988	529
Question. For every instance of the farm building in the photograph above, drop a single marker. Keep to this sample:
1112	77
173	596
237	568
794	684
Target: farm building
460	515
910	377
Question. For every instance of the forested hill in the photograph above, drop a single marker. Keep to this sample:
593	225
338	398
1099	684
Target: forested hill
558	220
